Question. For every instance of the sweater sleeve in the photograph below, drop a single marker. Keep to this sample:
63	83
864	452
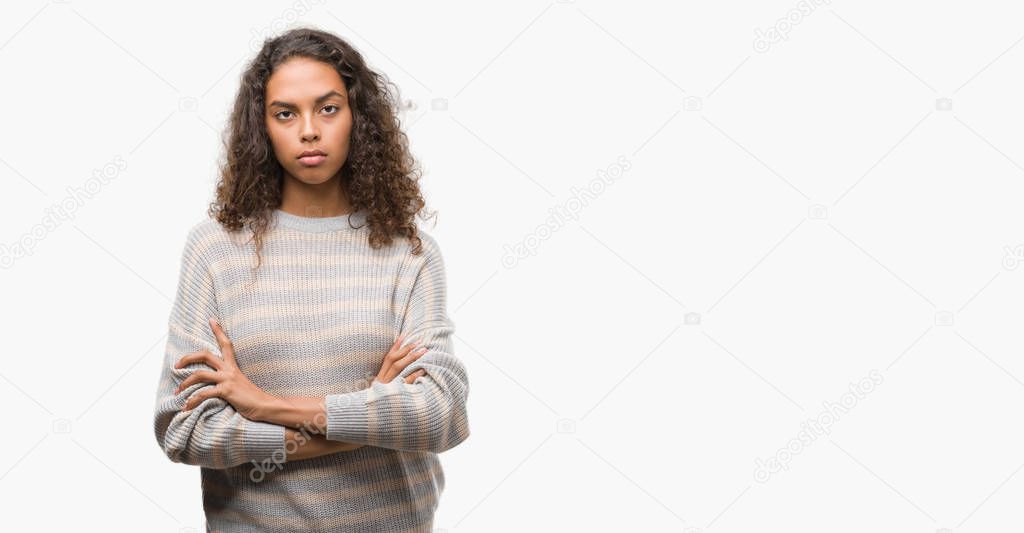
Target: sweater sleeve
213	434
430	413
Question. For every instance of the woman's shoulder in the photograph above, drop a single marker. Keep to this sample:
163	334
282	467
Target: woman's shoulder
207	235
429	257
429	247
428	241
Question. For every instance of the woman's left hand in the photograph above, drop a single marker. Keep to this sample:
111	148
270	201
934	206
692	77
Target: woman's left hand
230	383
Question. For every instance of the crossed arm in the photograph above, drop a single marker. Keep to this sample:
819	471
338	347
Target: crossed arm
209	414
293	412
304	417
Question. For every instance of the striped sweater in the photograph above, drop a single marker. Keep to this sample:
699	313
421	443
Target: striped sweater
315	319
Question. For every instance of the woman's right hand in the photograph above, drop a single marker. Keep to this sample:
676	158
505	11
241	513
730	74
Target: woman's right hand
397	359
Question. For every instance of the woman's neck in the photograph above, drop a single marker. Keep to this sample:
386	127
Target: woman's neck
327	199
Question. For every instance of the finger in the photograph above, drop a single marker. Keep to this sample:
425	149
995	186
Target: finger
393	355
388	369
402	363
408	359
398	366
197	377
408	347
226	349
397	343
387	372
389	358
412	378
384	369
204	356
200	397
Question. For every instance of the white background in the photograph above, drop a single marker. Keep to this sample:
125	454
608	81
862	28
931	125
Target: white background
841	201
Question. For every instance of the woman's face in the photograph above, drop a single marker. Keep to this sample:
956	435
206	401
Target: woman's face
307	111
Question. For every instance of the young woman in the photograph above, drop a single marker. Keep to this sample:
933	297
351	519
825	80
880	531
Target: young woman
287	376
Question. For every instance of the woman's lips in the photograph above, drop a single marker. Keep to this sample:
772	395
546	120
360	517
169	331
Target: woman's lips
312	160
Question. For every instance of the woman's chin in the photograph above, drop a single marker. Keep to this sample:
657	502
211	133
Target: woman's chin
313	176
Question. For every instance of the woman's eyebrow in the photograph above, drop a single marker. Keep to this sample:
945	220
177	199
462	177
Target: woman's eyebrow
318	100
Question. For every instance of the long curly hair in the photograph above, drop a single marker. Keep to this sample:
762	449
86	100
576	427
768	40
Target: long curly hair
380	174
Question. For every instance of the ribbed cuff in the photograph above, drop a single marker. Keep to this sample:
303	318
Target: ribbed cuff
347	416
262	440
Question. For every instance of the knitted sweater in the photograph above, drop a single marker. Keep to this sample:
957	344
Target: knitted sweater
315	319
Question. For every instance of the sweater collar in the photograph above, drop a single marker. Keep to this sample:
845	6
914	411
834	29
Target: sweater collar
321	224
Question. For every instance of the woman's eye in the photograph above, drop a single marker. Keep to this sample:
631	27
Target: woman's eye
332	107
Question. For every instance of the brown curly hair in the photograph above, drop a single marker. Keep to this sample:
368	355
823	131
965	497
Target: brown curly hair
379	175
